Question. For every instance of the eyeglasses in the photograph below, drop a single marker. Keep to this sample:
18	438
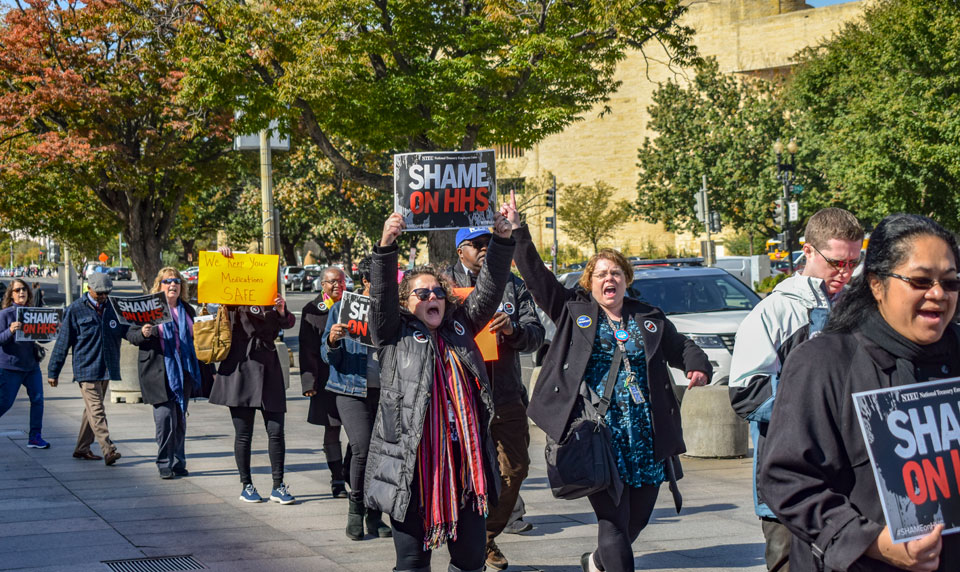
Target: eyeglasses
18	290
838	265
338	281
423	294
478	243
924	283
170	281
107	293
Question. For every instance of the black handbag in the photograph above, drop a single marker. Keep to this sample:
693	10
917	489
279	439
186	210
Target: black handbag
39	352
582	463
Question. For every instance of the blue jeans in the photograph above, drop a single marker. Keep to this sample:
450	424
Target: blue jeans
10	382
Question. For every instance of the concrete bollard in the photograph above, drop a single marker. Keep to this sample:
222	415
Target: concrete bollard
127	389
710	426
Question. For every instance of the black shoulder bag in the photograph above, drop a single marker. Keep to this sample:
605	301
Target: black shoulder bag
582	463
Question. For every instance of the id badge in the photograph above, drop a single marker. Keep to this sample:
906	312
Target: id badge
635	393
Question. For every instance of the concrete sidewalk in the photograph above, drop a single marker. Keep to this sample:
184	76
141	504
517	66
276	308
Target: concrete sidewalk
59	513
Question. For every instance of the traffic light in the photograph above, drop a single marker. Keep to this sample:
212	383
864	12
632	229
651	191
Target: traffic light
699	207
715	221
551	199
549	220
780	214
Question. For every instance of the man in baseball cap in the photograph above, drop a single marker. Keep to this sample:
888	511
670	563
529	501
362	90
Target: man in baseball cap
92	330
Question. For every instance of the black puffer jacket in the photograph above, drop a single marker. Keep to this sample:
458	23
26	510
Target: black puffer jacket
407	354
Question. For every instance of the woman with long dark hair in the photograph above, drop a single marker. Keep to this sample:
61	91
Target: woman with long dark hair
18	362
893	327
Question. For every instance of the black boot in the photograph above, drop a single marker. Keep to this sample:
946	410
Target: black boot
338	487
376	526
355	520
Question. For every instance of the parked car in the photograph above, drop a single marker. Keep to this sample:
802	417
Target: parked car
705	304
287	272
303	280
91	267
120	273
190	274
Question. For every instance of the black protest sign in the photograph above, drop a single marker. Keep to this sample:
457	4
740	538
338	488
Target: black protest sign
912	434
38	324
140	310
445	190
355	312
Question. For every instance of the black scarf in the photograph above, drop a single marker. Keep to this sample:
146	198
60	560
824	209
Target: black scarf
907	353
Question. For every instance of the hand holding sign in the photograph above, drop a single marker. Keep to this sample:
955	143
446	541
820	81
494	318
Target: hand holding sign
15	326
501	323
337	333
392	228
920	555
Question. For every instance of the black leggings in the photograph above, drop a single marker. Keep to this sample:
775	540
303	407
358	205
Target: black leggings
243	418
620	524
468	552
357	415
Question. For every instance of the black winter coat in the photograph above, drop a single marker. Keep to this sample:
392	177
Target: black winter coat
152	370
816	474
251	376
314	372
558	390
407	354
506	376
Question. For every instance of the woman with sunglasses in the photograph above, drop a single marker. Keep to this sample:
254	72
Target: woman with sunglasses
169	371
250	379
18	362
432	465
893	327
597	322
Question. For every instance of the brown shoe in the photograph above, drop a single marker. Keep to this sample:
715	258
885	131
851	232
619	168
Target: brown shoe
111	457
86	456
495	558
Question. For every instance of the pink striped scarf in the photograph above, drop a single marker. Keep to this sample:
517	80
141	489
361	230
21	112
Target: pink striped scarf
442	484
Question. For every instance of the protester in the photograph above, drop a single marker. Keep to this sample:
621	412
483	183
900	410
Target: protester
593	319
38	297
432	465
19	364
355	380
91	329
314	373
892	328
518	329
169	371
795	311
251	379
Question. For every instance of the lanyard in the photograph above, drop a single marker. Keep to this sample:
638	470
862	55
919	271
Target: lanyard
621	335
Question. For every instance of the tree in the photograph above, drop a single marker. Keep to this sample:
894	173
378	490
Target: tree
89	109
720	126
876	107
588	215
409	75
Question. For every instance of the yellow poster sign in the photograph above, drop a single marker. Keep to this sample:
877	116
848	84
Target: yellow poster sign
243	280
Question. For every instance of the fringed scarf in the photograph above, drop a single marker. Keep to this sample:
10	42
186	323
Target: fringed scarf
450	459
176	340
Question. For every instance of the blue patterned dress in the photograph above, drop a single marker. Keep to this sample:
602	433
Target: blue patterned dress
630	423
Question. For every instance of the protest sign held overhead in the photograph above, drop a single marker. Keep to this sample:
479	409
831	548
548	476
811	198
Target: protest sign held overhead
912	433
39	324
241	280
445	190
355	312
140	310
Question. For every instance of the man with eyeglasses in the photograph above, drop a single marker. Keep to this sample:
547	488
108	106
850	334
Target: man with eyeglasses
518	330
92	330
794	312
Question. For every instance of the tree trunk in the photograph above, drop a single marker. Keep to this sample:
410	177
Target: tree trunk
289	251
441	249
189	246
750	245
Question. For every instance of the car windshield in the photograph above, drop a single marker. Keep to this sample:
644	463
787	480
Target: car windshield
694	294
313	273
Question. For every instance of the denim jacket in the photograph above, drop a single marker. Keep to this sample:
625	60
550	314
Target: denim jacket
347	360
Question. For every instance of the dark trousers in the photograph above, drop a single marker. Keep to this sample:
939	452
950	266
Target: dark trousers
778	539
467	553
171	425
243	418
357	415
10	382
511	433
619	524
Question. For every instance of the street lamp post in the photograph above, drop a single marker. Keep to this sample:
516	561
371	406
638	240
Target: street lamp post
785	172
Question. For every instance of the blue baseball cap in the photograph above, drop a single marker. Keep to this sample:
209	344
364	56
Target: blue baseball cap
470	233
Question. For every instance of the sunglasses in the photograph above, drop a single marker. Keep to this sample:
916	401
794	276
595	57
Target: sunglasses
423	294
478	243
924	283
170	281
107	293
839	265
18	290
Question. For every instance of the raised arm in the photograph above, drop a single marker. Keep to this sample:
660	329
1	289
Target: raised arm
384	290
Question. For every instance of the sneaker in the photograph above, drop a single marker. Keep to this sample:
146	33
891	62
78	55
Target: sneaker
37	442
586	560
495	558
282	495
518	526
250	494
166	474
181	472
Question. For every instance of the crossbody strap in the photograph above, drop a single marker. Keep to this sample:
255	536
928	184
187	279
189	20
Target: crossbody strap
611	382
